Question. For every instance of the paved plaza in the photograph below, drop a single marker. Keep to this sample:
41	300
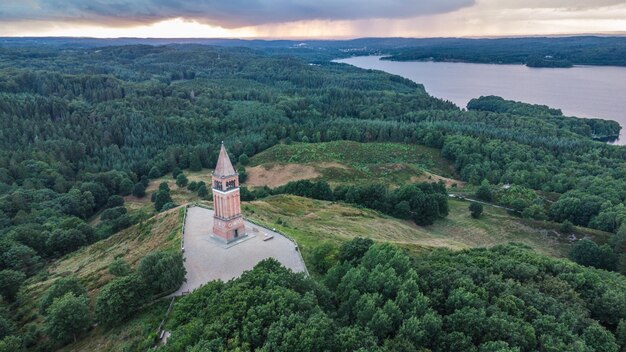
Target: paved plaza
206	259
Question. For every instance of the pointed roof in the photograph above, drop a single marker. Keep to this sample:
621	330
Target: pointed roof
224	167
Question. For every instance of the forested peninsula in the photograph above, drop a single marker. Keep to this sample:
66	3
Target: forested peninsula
533	52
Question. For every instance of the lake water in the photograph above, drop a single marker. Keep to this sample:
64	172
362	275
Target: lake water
583	91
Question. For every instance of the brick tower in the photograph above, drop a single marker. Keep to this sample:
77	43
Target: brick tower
227	222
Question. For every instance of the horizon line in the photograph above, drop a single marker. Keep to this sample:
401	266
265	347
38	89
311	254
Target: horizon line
337	38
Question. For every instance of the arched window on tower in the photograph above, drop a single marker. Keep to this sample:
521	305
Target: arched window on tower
217	185
230	184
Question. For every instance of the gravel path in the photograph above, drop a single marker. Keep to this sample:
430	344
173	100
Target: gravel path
206	259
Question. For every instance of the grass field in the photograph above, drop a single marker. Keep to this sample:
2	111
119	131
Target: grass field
312	222
349	162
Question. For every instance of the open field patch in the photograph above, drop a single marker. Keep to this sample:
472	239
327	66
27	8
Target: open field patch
345	162
274	175
357	154
312	222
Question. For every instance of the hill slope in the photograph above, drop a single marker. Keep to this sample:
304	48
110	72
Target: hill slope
349	162
90	266
312	222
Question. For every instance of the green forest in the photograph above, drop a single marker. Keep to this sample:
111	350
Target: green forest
82	127
533	52
374	297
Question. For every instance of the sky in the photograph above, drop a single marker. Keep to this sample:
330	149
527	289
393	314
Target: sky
309	18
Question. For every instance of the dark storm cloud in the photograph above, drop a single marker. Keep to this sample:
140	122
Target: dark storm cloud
226	13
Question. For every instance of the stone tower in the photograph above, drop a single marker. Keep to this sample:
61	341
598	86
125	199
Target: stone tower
228	222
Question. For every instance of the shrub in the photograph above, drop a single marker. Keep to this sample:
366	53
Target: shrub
588	253
181	180
114	201
484	192
139	190
67	317
119	267
476	209
244	159
323	258
120	298
113	213
567	227
60	288
162	271
10	283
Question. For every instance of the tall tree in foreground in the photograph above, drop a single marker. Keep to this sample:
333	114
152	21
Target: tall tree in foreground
67	317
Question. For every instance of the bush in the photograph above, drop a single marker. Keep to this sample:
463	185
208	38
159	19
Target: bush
139	190
203	192
126	186
588	253
181	180
119	267
10	283
244	159
484	192
567	227
64	241
114	201
60	288
246	194
192	186
323	258
162	197
120	298
154	172
162	271
113	213
168	206
6	327
535	211
353	250
19	257
67	317
476	209
243	174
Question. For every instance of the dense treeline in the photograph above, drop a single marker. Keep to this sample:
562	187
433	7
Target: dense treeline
534	52
376	298
422	202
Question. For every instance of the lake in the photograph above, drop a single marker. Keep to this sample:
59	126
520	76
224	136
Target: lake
583	91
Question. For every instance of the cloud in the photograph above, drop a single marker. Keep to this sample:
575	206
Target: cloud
225	13
569	5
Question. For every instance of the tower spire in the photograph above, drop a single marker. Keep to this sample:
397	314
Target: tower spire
224	167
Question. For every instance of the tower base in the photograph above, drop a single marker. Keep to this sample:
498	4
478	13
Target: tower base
229	230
